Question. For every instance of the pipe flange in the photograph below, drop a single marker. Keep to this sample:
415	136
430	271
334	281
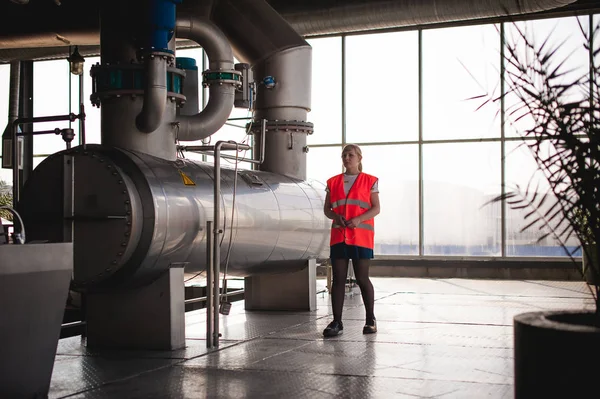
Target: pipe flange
254	127
97	98
115	81
220	77
104	215
166	55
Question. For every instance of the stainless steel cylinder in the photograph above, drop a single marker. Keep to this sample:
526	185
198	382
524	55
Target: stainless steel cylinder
136	215
118	47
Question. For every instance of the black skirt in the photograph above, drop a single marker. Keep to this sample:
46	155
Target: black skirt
345	251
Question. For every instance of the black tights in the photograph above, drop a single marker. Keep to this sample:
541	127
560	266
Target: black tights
361	273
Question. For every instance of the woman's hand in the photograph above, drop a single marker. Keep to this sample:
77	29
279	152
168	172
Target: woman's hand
340	220
354	222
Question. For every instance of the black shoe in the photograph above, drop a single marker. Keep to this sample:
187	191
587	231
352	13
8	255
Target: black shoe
334	328
370	327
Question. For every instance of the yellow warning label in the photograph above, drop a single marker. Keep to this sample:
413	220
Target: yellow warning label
186	179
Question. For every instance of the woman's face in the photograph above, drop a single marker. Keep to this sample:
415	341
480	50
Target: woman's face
350	159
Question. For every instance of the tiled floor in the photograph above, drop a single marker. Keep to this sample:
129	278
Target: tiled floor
438	338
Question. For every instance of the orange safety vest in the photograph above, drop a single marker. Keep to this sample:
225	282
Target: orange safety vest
357	202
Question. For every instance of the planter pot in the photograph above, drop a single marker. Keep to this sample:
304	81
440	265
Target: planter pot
556	355
34	284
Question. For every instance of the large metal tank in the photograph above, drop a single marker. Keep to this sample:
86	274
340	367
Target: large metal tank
136	215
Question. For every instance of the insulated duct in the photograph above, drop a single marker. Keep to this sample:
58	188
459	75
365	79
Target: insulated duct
222	92
281	64
364	15
76	22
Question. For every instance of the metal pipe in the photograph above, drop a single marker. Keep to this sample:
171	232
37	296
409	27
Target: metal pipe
221	96
347	17
15	163
199	149
155	95
277	53
81	113
13	113
39	132
13	95
209	286
216	239
217	230
206	298
73	324
55	118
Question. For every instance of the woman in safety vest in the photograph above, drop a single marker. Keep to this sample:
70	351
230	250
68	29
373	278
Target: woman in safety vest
352	201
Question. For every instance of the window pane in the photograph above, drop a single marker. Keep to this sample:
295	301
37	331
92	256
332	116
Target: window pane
323	163
382	87
397	226
564	32
458	65
326	96
458	180
5	174
521	172
50	98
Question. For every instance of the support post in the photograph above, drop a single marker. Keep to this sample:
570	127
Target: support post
296	291
150	317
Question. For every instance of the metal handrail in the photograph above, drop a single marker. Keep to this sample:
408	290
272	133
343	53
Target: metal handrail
15	144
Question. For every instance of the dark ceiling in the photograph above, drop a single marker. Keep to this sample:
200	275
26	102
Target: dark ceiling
41	29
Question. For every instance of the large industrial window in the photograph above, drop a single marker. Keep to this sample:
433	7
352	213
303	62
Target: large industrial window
324	162
565	35
521	170
5	174
459	179
397	226
460	64
326	91
50	97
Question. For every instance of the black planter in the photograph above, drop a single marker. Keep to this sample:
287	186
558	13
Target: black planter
557	355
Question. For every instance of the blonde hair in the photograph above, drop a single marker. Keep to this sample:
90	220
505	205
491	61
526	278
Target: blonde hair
357	150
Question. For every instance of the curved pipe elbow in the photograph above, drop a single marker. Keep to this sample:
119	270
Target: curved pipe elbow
212	117
209	36
155	95
221	97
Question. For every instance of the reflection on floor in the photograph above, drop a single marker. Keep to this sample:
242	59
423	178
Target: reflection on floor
438	338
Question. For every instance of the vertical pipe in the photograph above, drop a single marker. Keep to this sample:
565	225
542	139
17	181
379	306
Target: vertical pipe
68	197
216	240
209	285
81	113
26	111
70	84
15	150
205	140
343	90
13	113
502	146
421	188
